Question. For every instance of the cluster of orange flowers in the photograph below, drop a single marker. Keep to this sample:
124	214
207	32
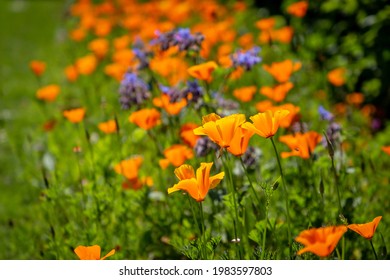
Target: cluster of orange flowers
323	241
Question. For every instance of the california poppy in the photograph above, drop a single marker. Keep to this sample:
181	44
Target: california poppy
320	241
265	23
203	71
146	118
277	93
266	124
71	73
108	126
86	65
137	183
74	115
91	252
337	76
99	47
240	141
220	130
172	108
282	35
38	67
301	144
187	134
298	9
386	149
245	94
355	98
196	186
282	70
129	168
366	230
48	93
176	155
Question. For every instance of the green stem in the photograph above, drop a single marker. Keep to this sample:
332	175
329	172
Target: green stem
250	182
233	191
373	249
336	179
285	195
264	233
203	236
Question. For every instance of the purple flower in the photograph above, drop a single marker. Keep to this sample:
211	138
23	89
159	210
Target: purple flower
324	114
133	91
185	40
194	89
174	93
142	57
246	59
181	37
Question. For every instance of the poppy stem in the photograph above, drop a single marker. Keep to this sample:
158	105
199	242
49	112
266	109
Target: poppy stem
373	249
203	236
228	168
250	181
285	195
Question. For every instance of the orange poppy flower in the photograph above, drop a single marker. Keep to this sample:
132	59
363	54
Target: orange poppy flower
78	34
99	47
48	93
129	167
146	118
266	124
240	141
203	71
282	71
176	155
265	24
115	70
277	93
386	149
355	98
137	183
102	27
173	108
264	105
71	73
122	42
108	126
220	130
124	57
366	230
301	144
246	41
74	115
196	186
38	67
86	65
282	35
245	94
171	68
337	76
298	9
320	241
91	252
288	120
187	134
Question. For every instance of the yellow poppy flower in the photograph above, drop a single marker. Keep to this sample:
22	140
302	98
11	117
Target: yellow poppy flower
220	130
266	124
91	252
196	186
